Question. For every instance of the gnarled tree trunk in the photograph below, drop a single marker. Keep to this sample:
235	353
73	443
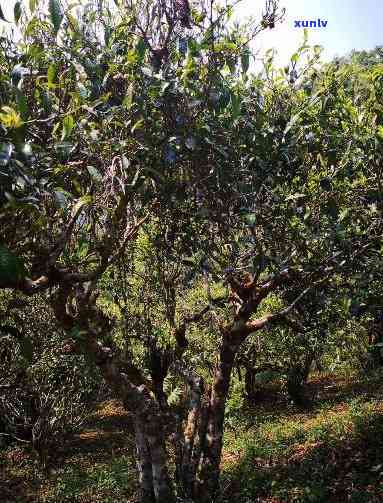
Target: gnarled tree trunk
199	438
144	464
207	483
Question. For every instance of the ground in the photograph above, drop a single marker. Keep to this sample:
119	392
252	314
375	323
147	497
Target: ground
273	453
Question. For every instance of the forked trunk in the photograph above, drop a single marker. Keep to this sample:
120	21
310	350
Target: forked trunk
152	459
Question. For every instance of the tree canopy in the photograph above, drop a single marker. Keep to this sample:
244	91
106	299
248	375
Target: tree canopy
168	202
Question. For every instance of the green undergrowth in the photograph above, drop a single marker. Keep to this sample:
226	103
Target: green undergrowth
331	453
96	465
273	453
104	482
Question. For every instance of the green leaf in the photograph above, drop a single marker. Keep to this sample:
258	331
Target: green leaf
72	22
128	100
343	214
108	31
164	86
5	153
11	119
26	348
17	12
141	49
61	198
251	219
12	268
68	124
83	201
64	149
174	396
83	249
77	334
51	74
94	173
292	122
46	101
33	5
294	57
245	60
2	15
235	101
139	124
22	104
56	14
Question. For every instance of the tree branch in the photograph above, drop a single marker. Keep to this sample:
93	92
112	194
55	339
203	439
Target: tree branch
254	325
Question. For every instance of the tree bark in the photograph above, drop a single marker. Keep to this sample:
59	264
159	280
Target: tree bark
209	470
163	491
144	465
150	437
155	485
133	389
201	456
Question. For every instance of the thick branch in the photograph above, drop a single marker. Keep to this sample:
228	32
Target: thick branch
55	275
258	324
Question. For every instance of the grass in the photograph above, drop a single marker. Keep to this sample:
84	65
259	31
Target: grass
96	465
331	454
273	453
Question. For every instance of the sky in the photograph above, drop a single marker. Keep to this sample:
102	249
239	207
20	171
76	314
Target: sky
351	24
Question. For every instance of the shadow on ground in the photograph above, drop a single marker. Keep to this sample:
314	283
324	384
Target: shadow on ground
333	454
94	465
274	453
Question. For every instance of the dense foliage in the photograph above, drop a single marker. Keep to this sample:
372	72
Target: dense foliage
180	215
